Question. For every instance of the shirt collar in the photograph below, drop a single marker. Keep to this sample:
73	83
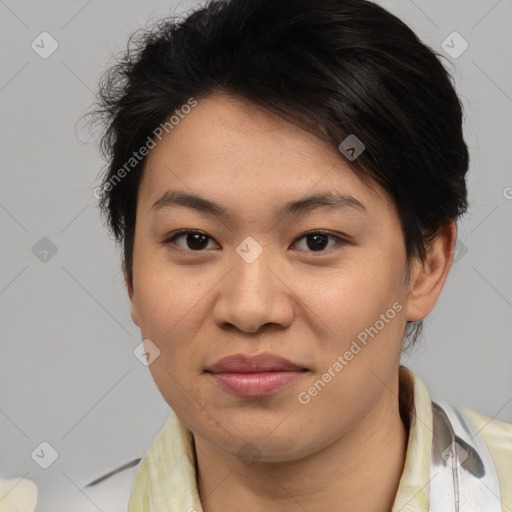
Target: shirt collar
414	487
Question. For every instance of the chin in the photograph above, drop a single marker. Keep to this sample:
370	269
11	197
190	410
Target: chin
274	442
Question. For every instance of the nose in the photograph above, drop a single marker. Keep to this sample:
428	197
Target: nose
254	294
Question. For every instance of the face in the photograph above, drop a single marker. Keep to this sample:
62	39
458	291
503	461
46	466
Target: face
323	286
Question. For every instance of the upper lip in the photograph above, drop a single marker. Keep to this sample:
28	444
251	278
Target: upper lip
241	363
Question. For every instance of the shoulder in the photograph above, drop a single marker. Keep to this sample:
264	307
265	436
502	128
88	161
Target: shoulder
491	426
497	435
18	494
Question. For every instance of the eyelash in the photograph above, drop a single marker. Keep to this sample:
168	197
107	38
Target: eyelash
171	239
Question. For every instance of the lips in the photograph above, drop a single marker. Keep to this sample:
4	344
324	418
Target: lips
254	376
241	363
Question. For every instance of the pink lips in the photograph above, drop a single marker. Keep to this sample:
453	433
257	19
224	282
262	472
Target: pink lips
253	376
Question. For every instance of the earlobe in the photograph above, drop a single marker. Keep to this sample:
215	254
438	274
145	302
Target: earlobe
429	276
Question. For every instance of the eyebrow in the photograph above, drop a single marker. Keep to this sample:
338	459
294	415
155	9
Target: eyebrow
331	199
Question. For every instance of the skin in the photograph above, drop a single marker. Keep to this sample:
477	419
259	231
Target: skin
305	305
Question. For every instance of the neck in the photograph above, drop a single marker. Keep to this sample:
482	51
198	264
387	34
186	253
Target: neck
359	472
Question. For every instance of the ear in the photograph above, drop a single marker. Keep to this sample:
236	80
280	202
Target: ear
131	295
428	276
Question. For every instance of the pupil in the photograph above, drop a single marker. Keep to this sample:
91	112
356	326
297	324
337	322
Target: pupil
317	244
193	241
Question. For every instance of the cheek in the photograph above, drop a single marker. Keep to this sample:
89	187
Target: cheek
165	294
366	317
354	296
364	309
168	315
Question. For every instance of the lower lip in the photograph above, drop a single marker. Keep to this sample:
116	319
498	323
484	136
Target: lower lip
256	384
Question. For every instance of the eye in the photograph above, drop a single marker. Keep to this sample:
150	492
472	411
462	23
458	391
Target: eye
196	241
316	241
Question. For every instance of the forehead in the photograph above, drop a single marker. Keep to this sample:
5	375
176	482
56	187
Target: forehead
239	152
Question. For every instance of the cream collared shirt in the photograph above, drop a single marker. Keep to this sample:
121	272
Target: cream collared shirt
166	479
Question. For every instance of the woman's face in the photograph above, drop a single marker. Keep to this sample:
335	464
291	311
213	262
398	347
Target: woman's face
334	303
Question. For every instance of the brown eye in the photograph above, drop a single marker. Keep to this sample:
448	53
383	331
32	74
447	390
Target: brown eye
194	241
317	241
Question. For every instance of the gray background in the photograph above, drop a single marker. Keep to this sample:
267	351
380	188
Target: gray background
68	375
